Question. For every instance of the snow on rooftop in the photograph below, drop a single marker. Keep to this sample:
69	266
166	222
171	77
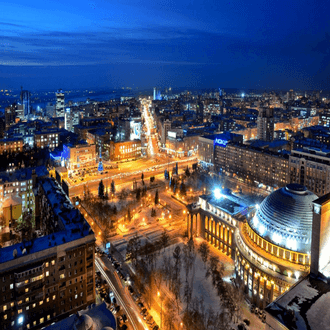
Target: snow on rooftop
72	225
304	306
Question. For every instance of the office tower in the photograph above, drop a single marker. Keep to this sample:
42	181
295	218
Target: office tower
265	121
25	99
59	103
155	93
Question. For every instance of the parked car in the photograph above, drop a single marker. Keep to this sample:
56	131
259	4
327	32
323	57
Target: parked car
125	319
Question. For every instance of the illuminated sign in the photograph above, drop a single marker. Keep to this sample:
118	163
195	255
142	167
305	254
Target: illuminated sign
172	134
220	142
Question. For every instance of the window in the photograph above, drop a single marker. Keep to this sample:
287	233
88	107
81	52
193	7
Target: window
34	323
4	307
11	286
48	317
27	299
34	305
47	273
42	320
5	317
27	308
28	326
53	262
54	297
47	300
47	264
62	276
26	289
41	302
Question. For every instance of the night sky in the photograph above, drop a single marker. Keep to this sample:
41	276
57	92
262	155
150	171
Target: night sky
144	43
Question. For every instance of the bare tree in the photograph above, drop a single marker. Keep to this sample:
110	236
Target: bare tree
204	251
133	249
164	239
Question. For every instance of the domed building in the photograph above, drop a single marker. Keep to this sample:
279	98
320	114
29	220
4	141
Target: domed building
273	246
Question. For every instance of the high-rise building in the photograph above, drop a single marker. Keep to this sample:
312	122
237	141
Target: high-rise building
265	123
155	93
25	99
59	103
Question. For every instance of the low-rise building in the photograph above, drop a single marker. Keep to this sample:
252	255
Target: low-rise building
124	150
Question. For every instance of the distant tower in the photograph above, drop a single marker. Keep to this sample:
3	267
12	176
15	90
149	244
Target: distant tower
265	121
67	119
25	99
290	95
155	93
59	103
200	111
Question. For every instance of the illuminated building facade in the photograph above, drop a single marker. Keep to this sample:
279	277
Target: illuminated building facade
81	155
125	150
11	145
52	276
46	139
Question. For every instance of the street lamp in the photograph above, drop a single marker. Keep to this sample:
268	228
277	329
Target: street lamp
161	310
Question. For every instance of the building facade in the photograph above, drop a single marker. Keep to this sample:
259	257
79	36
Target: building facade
51	276
125	150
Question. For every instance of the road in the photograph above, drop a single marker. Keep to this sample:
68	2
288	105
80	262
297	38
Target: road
123	176
121	293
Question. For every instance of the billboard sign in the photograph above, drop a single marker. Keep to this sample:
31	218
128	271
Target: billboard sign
220	142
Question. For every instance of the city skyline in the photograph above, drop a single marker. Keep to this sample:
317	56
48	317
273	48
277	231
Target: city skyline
150	43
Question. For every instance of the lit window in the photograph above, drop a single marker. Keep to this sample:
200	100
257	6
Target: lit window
28	326
53	262
5	317
11	286
47	264
34	305
47	299
27	299
47	273
48	317
20	311
11	304
41	302
62	276
26	289
42	320
27	308
4	307
54	297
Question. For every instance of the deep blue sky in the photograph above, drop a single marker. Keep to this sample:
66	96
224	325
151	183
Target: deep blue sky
143	43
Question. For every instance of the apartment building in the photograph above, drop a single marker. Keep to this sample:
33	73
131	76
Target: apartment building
52	276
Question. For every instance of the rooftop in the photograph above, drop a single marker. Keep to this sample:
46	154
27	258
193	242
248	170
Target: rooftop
304	306
71	225
99	317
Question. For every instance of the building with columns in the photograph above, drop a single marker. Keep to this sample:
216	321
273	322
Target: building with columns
270	243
